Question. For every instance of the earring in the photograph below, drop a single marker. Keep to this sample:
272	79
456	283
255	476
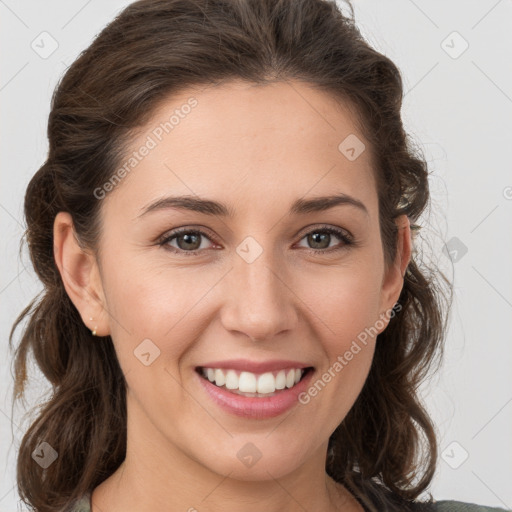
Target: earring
93	332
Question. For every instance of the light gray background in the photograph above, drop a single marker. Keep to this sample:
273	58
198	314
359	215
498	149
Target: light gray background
457	107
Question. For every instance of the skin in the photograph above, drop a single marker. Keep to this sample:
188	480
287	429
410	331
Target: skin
290	303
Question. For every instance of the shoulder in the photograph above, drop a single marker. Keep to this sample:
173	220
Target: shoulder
460	506
396	502
83	504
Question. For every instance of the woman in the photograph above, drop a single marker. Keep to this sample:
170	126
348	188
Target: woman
234	316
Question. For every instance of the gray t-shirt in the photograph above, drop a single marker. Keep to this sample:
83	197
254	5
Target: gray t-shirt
84	505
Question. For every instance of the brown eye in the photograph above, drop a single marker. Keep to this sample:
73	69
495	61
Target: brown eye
319	239
188	242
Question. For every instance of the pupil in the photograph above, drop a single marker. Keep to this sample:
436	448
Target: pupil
316	238
189	239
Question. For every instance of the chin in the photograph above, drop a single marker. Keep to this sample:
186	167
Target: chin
257	459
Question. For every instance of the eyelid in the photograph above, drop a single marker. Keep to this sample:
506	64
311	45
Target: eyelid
320	227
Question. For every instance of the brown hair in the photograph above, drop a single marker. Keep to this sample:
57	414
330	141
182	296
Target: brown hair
155	48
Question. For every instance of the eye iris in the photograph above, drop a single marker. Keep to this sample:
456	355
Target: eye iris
316	238
190	238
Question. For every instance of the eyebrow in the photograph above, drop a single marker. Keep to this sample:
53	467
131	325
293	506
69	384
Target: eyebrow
210	207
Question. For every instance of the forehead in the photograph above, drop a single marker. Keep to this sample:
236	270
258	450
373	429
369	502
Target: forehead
241	142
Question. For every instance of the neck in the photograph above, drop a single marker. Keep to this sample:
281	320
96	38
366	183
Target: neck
124	492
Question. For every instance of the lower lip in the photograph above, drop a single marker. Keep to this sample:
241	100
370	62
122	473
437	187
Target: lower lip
254	407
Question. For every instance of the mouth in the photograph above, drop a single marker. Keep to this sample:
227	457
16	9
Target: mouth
254	385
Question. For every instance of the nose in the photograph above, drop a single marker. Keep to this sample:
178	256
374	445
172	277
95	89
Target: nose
260	304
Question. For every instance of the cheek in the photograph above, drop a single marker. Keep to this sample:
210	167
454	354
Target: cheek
161	304
344	300
348	308
344	306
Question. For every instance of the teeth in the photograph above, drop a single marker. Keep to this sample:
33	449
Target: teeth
290	378
248	382
231	379
281	380
220	379
266	383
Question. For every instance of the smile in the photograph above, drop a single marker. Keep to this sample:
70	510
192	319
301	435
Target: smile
253	384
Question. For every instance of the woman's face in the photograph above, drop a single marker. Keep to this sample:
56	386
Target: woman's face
252	292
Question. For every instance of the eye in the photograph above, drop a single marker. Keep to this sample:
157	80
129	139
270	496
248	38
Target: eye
320	238
188	241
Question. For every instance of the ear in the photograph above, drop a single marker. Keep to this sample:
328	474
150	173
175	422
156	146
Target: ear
393	279
80	274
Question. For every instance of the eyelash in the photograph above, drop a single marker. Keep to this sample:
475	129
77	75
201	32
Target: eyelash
347	240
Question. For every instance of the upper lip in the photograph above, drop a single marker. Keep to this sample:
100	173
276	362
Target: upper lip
255	366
